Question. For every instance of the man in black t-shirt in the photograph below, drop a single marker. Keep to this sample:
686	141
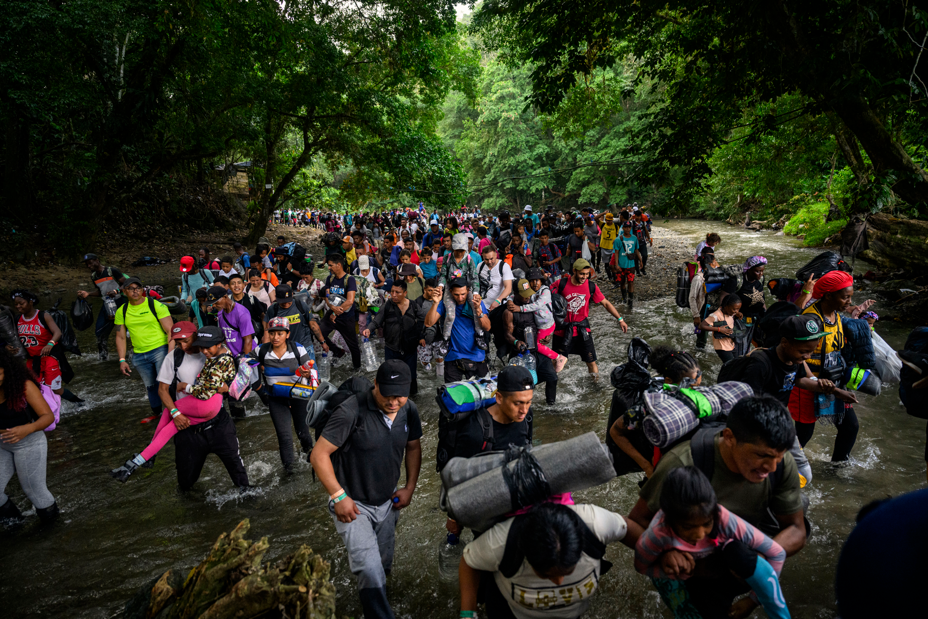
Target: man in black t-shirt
339	292
509	421
358	460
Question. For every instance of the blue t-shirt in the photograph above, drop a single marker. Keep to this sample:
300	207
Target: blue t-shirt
429	269
629	246
463	345
475	257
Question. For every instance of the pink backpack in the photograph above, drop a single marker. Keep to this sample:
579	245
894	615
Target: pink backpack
54	403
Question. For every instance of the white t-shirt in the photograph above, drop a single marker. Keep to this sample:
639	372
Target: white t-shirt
497	277
189	370
531	597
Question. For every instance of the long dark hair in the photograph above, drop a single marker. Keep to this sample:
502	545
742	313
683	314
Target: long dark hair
15	375
687	493
551	538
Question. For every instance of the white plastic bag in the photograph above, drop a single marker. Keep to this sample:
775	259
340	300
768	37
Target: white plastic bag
885	354
585	251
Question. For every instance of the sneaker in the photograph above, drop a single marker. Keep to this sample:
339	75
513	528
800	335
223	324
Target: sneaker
150	463
560	363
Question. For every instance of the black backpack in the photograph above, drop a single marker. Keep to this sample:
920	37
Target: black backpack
448	425
683	288
740	367
559	303
767	331
68	337
355	386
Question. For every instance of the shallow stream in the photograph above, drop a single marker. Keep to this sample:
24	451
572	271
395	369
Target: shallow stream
114	537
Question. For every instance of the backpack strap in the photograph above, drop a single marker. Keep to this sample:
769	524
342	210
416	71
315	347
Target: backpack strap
561	285
486	423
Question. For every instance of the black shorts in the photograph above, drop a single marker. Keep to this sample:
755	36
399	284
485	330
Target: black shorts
578	345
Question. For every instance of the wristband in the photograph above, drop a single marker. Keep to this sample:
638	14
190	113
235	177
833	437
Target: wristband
806	291
174	413
188	388
122	360
338	492
621	319
467	614
340	497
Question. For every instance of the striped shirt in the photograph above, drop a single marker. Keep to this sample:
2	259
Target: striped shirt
659	538
283	369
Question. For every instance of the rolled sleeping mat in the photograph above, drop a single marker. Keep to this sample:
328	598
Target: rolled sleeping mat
175	305
672	414
863	381
568	466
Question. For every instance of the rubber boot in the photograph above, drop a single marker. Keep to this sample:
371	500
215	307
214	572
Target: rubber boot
9	512
70	396
49	514
122	473
103	349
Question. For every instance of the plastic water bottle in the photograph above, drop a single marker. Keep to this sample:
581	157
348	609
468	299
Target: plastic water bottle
531	365
368	356
440	370
109	304
325	367
529	337
518	362
449	558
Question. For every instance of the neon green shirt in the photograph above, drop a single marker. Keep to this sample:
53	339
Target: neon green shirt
145	329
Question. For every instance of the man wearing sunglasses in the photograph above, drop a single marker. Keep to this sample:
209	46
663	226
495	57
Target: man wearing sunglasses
150	323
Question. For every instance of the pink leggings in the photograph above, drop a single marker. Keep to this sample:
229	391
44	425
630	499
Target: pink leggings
547	352
191	407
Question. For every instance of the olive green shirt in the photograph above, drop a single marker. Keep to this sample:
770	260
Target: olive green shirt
741	497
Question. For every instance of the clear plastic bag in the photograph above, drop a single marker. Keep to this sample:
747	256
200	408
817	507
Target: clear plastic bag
245	377
892	366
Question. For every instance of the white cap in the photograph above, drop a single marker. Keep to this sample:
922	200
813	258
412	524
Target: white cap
528	207
459	241
364	263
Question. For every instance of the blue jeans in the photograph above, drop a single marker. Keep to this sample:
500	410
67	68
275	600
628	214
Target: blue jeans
147	364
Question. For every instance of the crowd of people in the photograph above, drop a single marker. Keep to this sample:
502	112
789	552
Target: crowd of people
721	508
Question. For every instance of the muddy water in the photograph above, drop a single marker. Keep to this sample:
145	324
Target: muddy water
113	537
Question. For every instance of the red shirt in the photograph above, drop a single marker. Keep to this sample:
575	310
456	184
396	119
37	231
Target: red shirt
578	300
33	333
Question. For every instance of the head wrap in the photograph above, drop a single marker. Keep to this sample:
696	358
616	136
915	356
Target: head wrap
752	262
829	282
872	315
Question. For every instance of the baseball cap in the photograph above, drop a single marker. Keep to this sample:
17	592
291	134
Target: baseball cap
434	223
581	264
407	269
394	379
535	273
209	336
347	239
514	378
90	257
186	264
802	328
610	217
215	293
131	280
283	292
278	324
364	263
183	329
525	291
459	241
627	223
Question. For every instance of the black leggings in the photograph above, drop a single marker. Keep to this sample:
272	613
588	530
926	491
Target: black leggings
193	444
641	264
283	410
844	442
725	355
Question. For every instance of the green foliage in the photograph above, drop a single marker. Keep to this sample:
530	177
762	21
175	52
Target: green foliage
810	221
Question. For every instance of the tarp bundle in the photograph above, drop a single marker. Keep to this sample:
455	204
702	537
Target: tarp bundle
467	395
672	414
478	491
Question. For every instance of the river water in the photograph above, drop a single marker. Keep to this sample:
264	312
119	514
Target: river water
114	537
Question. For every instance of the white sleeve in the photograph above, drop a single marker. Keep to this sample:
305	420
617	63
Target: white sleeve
166	373
507	273
486	552
606	525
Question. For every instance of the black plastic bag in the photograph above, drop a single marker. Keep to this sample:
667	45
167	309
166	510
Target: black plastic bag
639	351
81	315
633	378
767	330
825	262
68	337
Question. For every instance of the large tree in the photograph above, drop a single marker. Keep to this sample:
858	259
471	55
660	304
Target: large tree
860	62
